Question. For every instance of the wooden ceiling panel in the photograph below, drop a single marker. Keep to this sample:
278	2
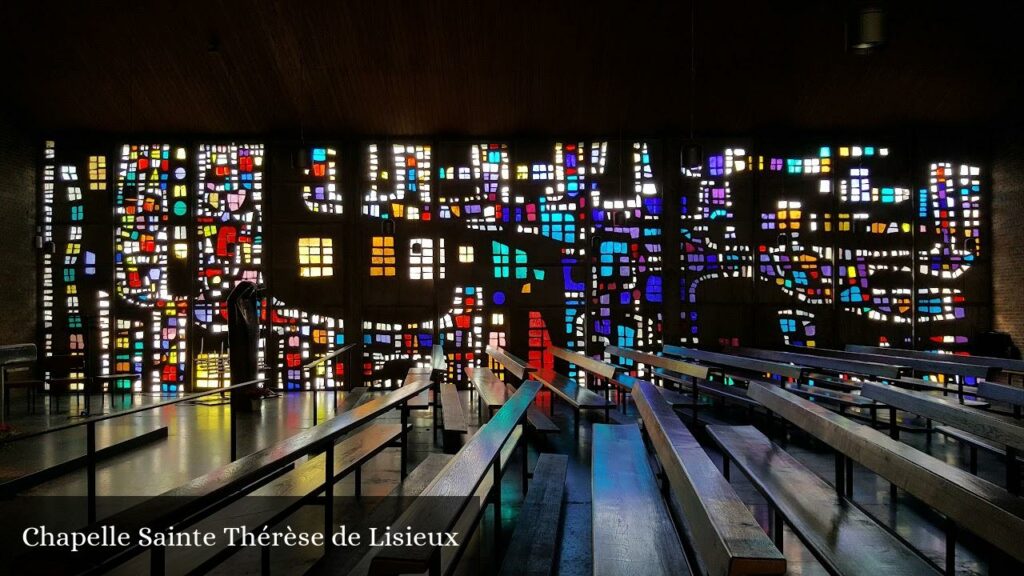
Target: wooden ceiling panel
465	67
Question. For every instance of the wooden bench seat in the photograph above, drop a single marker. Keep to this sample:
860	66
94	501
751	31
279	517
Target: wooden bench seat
343	559
841	536
627	383
973	442
512	363
933	365
832	381
598	373
842	400
577	397
453	421
726	537
967	501
537	420
276	500
734	394
351	399
736	364
531	551
993	427
881	369
1008	364
492	393
1011	395
632	529
683	369
440	507
490	389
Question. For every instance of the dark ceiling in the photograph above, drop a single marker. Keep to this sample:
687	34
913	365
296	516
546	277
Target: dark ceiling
457	67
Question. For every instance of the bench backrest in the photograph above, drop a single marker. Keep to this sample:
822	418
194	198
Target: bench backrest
670	364
514	364
1009	364
726	536
437	359
935	365
783	369
976	504
12	353
329	356
841	365
584	362
994	427
1001	392
434	511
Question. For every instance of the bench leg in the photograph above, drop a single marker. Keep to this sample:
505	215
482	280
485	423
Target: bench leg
434	408
526	461
576	421
157	562
497	502
973	458
777	528
894	427
950	547
849	477
405	439
328	495
1012	471
840	462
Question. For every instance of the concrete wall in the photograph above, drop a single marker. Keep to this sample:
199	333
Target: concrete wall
18	307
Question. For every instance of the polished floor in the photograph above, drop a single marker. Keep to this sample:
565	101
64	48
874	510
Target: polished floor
198	442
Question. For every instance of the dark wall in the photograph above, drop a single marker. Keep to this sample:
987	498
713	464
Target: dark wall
17	230
1008	237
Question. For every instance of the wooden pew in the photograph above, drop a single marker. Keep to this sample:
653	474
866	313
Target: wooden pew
453	420
439	374
1001	392
973	443
934	365
520	369
992	427
725	535
577	397
282	496
1006	364
732	394
461	481
343	559
493	393
632	529
841	536
675	399
837	365
210	492
691	372
738	363
843	400
967	501
446	398
531	551
514	364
